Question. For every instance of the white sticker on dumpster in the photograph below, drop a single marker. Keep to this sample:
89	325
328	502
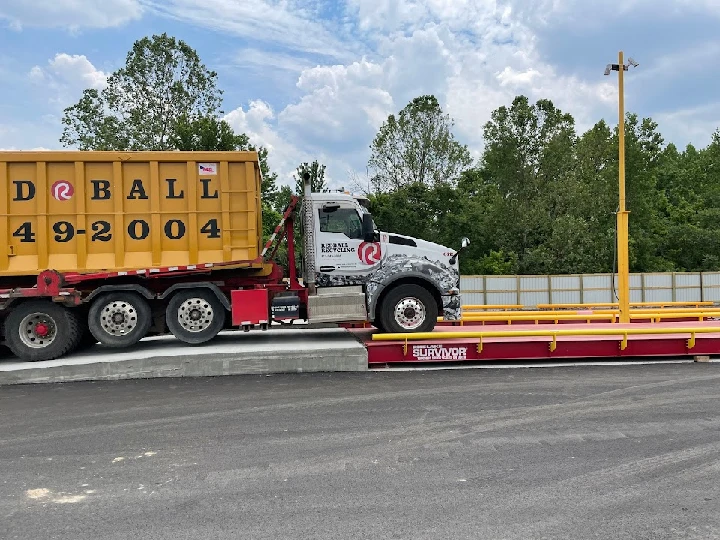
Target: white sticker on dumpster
439	352
207	168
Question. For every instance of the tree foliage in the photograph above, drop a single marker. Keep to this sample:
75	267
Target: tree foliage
417	147
163	80
164	98
543	198
317	177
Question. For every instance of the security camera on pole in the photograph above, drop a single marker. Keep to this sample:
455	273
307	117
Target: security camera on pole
622	215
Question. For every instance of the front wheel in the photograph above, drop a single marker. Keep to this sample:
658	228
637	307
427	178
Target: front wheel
408	308
195	316
41	330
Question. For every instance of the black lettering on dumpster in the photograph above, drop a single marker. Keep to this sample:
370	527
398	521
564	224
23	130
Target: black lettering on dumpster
171	189
206	189
20	194
101	190
137	189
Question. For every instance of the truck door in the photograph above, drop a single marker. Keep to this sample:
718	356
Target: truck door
340	247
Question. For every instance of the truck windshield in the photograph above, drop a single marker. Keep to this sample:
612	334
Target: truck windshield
343	221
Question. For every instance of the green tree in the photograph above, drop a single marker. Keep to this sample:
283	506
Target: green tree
207	133
648	226
163	81
317	177
689	181
530	157
417	147
596	175
443	214
544	200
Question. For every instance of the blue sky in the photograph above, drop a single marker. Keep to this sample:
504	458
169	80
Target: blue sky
314	79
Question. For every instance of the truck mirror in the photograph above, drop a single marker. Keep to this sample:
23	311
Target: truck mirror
465	242
368	229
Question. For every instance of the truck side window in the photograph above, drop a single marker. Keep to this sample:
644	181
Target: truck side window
342	221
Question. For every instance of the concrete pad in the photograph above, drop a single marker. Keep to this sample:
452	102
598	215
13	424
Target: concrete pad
231	353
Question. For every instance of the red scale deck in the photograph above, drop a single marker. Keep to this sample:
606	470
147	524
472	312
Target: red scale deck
538	348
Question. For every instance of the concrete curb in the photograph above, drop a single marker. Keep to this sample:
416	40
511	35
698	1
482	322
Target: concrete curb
286	351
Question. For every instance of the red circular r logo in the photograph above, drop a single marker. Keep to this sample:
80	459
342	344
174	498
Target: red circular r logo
62	190
369	252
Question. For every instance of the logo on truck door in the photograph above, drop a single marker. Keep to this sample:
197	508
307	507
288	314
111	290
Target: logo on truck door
369	252
62	190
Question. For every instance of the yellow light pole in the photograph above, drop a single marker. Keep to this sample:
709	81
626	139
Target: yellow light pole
622	215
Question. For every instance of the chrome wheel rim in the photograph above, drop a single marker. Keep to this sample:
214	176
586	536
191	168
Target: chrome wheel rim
195	315
410	313
38	330
118	318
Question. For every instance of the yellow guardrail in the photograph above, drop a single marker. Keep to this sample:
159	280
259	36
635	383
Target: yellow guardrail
539	316
621	333
676	310
577	306
632	305
657	316
479	307
588	315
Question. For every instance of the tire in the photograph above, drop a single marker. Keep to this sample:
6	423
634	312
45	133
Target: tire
195	316
119	319
408	308
87	340
41	330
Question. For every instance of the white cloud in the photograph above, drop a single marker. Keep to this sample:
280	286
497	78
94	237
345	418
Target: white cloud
694	125
678	64
583	14
343	105
254	123
292	24
71	14
67	75
472	56
258	123
31	135
36	149
75	70
253	58
357	64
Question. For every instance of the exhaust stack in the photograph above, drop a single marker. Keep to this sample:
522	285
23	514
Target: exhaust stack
309	236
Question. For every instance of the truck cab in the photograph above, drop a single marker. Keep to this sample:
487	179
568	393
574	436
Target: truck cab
355	272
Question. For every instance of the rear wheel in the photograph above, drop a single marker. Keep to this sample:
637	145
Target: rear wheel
41	330
408	308
195	316
119	319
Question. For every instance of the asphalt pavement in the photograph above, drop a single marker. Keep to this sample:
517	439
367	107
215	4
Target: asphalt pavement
605	452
